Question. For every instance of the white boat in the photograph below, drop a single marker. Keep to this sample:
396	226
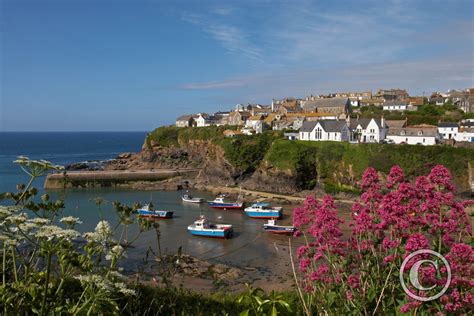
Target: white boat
221	204
263	210
188	198
202	227
147	210
272	227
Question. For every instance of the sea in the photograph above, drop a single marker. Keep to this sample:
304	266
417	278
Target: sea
250	248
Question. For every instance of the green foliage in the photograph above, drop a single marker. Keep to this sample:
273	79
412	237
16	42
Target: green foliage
246	152
338	164
165	136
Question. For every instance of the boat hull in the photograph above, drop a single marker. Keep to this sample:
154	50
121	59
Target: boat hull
230	206
284	230
224	233
155	214
264	214
193	200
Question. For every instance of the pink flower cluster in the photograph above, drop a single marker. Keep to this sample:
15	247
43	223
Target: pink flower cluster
390	222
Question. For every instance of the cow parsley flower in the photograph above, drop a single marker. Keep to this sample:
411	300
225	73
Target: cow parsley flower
51	232
70	221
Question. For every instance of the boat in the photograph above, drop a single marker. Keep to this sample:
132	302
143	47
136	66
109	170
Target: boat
202	227
278	229
263	210
147	210
188	198
219	203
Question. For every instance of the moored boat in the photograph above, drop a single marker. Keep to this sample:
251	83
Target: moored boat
263	210
202	227
220	203
188	198
272	227
147	210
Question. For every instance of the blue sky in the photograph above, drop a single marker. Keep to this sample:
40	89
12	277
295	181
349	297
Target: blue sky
112	65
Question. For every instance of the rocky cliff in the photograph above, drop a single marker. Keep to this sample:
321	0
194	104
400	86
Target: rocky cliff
269	163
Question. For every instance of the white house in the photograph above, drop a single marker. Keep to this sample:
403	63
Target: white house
448	130
398	106
414	135
185	121
203	119
368	130
255	122
325	130
465	135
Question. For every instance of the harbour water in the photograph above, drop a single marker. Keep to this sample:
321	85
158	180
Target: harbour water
250	247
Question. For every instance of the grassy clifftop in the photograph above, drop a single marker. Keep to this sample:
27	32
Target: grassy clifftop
334	164
336	161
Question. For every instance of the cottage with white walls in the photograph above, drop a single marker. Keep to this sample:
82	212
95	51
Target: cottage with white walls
325	130
414	135
448	130
368	130
202	120
398	106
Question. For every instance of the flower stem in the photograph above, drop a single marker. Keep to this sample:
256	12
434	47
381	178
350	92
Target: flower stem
296	279
14	264
46	283
4	263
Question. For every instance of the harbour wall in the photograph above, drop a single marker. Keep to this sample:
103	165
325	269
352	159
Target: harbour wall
113	178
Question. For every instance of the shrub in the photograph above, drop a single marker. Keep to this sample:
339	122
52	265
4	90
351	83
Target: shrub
360	274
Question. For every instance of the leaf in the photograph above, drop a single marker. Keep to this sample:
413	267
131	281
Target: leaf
245	312
274	311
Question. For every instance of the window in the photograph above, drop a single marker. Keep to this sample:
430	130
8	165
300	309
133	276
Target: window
423	140
318	133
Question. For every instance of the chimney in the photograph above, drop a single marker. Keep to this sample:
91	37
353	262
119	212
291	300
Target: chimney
382	121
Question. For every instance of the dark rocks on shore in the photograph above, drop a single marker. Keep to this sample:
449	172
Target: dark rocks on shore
88	165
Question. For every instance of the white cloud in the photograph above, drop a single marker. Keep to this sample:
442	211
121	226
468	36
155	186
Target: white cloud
231	37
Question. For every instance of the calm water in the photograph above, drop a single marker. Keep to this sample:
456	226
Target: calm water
249	247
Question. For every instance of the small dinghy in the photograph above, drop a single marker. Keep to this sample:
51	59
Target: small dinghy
148	211
188	198
263	210
278	229
202	227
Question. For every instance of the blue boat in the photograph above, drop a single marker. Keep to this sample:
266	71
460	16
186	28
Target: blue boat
148	211
272	227
263	210
202	227
219	203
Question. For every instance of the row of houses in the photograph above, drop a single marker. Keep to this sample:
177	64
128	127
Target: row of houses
387	131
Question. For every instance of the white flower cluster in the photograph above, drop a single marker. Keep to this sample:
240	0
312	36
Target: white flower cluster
6	211
51	232
116	252
70	220
102	233
104	284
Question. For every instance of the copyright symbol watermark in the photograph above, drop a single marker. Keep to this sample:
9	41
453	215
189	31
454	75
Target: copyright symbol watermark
420	264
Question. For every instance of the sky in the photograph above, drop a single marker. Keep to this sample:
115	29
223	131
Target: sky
134	65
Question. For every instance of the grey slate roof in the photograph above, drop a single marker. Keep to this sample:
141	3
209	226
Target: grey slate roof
447	124
184	118
363	122
308	126
413	131
395	123
332	126
327	102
